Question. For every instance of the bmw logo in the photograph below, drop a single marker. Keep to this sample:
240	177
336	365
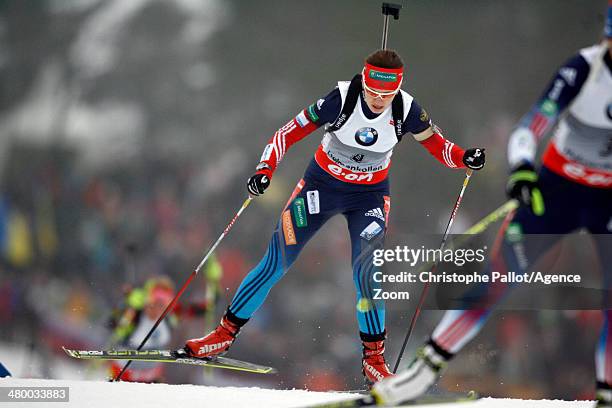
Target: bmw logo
609	111
366	136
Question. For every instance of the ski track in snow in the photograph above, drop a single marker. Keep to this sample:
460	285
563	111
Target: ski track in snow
98	394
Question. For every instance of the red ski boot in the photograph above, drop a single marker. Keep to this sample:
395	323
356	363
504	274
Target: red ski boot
373	362
214	343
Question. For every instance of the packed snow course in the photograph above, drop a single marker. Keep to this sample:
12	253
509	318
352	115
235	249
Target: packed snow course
99	394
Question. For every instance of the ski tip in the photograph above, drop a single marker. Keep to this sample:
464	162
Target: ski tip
71	353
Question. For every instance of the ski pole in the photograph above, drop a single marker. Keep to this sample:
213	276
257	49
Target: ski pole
481	226
495	215
388	9
187	282
417	312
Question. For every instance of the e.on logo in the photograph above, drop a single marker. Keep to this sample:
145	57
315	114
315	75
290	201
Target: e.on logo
348	175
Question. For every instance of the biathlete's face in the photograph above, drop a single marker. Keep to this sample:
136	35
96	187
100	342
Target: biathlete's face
377	99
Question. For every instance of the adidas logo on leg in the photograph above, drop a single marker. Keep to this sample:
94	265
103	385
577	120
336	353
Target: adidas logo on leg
376	212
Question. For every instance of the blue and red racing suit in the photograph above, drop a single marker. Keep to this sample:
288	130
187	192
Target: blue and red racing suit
348	176
576	183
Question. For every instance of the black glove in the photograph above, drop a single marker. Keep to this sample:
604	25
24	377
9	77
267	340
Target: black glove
523	186
258	183
474	158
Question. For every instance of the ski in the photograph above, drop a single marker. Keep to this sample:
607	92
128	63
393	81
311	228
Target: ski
170	356
370	401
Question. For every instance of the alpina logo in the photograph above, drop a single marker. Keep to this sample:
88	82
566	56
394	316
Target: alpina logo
370	369
208	348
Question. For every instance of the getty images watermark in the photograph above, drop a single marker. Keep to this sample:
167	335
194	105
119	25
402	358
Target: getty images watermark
459	258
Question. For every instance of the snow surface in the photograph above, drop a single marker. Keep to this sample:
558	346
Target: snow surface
98	394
